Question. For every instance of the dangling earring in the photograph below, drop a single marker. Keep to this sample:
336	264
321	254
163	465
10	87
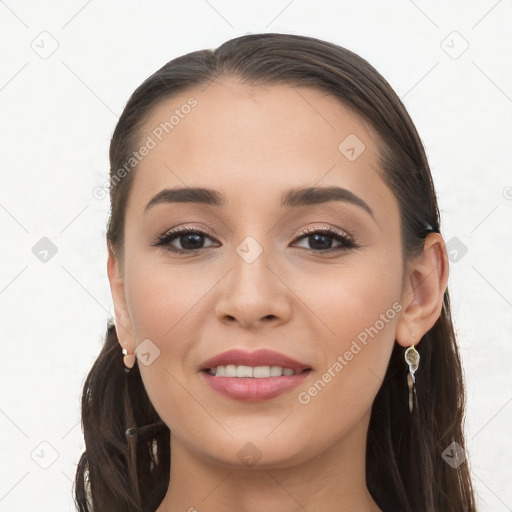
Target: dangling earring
412	358
129	360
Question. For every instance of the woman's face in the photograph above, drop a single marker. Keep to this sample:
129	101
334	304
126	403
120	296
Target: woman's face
257	280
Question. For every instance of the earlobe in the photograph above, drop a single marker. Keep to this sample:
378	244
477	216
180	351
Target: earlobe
423	293
117	287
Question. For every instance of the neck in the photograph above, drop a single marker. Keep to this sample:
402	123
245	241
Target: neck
332	480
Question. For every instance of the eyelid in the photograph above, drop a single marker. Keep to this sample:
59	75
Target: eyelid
323	227
187	228
346	241
301	232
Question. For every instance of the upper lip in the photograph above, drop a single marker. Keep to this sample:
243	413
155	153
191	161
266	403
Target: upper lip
261	357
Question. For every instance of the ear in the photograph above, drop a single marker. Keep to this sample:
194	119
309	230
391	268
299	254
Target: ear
123	323
424	287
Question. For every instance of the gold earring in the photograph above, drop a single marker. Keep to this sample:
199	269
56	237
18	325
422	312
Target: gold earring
412	358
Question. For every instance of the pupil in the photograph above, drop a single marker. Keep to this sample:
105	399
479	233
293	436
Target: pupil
196	243
325	245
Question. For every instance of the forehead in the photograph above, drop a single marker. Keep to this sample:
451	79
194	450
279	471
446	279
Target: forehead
253	142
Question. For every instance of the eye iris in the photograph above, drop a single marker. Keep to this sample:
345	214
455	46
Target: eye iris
197	241
325	238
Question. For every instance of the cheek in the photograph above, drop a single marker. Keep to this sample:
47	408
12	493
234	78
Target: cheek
355	311
162	300
165	306
348	298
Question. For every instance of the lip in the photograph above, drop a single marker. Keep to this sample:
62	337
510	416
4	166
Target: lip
261	357
254	389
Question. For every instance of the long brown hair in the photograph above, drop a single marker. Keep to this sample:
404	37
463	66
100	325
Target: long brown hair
405	469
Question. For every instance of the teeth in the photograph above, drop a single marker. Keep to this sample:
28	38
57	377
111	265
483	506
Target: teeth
243	371
257	372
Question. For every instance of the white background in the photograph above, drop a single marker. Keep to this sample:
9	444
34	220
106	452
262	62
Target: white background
57	117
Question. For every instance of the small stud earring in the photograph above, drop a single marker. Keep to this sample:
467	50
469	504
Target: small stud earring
412	358
129	360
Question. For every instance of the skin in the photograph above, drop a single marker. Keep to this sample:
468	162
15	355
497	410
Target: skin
252	143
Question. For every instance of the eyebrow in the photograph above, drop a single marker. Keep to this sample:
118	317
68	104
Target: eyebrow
291	199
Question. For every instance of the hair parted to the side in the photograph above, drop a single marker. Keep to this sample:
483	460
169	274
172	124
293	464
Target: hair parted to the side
405	470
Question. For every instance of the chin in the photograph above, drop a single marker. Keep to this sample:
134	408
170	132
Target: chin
259	453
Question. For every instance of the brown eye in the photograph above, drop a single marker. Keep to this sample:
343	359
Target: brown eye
321	240
190	239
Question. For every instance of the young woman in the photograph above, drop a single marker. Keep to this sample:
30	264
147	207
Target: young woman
283	338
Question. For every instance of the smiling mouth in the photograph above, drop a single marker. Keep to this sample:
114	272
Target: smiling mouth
256	372
254	383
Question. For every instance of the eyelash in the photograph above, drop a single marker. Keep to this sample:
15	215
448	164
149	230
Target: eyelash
348	241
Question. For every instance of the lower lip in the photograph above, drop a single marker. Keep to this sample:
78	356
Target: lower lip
250	389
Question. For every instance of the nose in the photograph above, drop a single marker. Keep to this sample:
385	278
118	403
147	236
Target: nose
253	293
